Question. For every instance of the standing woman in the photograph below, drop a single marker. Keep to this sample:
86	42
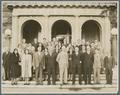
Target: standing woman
26	66
15	59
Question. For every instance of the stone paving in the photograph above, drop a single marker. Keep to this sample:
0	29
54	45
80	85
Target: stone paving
32	88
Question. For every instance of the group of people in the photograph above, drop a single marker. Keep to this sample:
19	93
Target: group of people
57	61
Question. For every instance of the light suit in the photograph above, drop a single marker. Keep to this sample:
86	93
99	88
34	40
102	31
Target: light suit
97	67
62	60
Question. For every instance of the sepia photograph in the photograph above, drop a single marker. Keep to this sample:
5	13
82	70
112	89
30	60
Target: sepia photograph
59	47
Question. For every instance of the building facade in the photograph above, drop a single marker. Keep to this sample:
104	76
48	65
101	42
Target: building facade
75	20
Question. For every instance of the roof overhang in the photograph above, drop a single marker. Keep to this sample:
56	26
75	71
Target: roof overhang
60	4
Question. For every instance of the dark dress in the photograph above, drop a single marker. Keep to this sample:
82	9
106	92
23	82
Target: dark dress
15	67
6	64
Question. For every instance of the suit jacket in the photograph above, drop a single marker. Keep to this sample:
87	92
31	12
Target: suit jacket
109	62
88	60
76	59
62	59
6	59
51	60
39	60
97	61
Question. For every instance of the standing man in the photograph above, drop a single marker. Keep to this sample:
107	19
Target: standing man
23	44
35	44
87	65
97	67
6	63
109	64
77	65
39	65
62	60
51	61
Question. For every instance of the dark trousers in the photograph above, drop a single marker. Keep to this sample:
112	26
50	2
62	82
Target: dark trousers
87	75
109	74
77	69
7	73
51	72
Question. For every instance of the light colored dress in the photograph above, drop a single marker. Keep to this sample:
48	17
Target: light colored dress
26	65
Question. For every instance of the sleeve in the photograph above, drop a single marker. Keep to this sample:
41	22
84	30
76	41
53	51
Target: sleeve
104	64
101	61
31	60
58	57
92	59
81	57
3	57
67	58
34	61
113	62
19	60
43	61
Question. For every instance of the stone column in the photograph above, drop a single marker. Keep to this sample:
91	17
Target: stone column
114	47
14	32
46	30
73	26
49	33
107	39
77	28
19	30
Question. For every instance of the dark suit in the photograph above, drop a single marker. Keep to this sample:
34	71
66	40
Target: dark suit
87	65
109	63
6	64
51	61
77	63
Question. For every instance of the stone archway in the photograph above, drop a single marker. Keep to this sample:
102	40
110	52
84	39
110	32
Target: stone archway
30	30
61	29
91	30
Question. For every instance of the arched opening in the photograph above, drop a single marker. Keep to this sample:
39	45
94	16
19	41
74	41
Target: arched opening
61	29
91	31
30	30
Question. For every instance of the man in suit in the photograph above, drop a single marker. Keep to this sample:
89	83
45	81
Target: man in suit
62	60
77	65
97	66
109	64
87	65
6	63
35	44
39	65
51	63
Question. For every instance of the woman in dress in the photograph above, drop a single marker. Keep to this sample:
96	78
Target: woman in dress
26	66
15	68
